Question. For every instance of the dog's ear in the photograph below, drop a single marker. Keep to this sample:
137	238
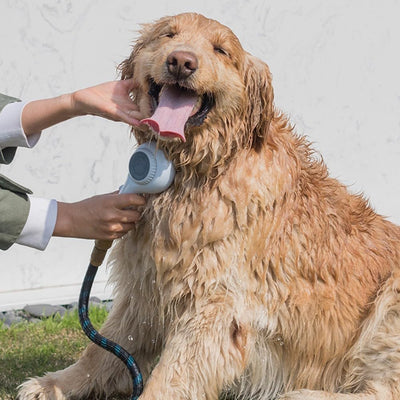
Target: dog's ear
147	33
126	67
260	98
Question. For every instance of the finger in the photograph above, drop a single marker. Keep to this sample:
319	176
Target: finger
130	217
121	230
126	200
132	117
129	105
131	83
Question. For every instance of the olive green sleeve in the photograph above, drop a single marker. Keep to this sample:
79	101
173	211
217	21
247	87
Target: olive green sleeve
7	154
14	210
14	202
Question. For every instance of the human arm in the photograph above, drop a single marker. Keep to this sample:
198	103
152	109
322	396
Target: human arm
21	125
105	217
109	100
99	217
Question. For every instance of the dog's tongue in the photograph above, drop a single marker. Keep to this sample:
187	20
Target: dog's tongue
174	109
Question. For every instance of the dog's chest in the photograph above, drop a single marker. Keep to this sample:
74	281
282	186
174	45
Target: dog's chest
179	227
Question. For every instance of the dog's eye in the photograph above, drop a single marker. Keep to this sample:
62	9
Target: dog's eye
169	35
220	50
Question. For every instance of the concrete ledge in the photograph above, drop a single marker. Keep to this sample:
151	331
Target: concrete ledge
17	299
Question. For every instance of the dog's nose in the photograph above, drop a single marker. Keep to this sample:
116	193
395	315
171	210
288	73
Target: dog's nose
182	64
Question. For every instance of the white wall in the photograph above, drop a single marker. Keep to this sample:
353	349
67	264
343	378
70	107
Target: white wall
336	69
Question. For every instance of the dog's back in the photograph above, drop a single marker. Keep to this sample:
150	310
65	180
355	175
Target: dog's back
327	267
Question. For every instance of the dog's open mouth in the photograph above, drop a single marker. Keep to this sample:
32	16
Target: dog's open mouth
174	108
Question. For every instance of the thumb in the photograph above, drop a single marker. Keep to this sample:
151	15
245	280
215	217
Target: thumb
130	83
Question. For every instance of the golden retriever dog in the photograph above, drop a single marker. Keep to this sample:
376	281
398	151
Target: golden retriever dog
255	275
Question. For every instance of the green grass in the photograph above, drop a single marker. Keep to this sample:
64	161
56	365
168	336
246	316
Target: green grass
31	349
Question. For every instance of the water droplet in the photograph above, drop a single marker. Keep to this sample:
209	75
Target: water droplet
130	338
279	340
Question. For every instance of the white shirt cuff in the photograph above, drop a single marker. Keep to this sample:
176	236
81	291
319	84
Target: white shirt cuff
11	132
39	226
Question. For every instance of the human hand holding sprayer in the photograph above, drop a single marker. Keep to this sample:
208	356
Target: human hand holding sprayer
149	172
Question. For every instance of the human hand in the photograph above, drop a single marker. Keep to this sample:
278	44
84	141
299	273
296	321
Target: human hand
105	217
109	100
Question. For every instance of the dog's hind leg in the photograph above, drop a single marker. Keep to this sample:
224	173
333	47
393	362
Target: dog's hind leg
374	360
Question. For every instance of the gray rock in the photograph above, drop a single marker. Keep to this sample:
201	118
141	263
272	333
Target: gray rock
44	310
34	313
34	320
11	317
95	299
108	305
95	304
72	306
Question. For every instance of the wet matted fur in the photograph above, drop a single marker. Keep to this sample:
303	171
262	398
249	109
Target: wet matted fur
255	274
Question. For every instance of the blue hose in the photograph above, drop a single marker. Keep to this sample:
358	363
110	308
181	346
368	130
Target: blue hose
100	340
149	172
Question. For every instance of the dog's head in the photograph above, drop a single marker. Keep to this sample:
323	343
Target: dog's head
220	95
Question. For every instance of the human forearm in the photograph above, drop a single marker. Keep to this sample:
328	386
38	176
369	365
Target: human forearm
105	217
109	100
38	115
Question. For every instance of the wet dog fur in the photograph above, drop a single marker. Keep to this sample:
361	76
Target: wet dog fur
255	274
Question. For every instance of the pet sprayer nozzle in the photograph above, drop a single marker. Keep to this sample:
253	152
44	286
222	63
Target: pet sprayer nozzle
149	171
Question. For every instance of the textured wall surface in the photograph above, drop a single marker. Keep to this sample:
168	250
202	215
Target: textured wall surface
336	72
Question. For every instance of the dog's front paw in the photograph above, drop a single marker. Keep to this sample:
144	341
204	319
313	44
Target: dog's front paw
40	389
